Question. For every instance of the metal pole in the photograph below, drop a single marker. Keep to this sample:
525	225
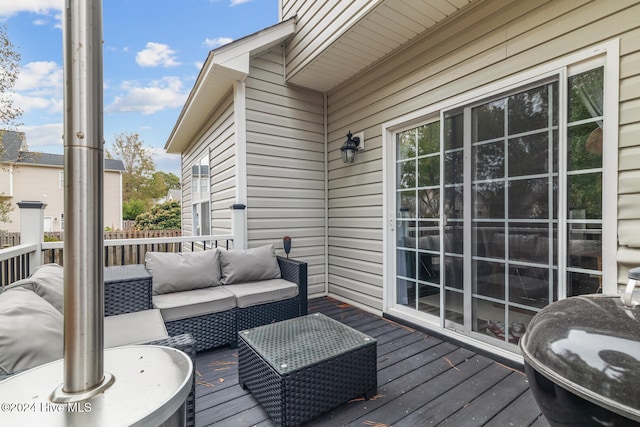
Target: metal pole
83	203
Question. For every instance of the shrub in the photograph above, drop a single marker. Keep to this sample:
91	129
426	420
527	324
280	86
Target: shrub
165	216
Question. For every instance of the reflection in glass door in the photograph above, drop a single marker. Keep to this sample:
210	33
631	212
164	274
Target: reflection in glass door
417	218
514	182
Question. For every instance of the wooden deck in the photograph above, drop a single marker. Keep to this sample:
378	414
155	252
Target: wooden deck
422	381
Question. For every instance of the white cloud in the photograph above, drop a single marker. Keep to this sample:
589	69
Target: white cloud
156	54
238	2
10	8
39	87
47	135
217	42
159	95
40	76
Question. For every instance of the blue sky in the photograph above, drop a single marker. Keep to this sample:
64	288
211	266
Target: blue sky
153	52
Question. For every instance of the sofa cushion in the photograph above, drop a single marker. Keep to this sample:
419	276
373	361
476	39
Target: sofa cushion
198	302
263	291
249	265
30	330
138	327
183	271
48	282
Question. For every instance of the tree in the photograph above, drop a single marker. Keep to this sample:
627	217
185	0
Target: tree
138	165
9	113
133	208
161	183
9	72
165	216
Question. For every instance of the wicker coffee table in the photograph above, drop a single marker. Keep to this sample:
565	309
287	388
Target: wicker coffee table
302	367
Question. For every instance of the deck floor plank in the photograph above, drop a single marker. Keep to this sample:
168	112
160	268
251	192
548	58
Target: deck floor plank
422	380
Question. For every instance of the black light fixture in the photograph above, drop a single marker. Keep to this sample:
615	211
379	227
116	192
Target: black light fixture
350	148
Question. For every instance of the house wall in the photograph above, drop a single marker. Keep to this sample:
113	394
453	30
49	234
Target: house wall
489	42
285	165
217	141
112	200
41	183
318	23
6	175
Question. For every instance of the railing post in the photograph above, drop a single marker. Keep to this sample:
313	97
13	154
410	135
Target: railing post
239	226
32	229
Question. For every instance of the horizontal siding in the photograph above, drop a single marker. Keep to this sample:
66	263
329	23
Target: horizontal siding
494	40
285	166
318	21
42	183
217	142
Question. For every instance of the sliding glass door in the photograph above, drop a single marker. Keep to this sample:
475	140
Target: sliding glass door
499	207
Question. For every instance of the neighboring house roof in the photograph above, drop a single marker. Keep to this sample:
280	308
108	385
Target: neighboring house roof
14	149
224	66
174	194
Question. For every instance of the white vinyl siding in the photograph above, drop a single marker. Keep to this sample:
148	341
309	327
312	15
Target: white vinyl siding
319	23
491	42
285	166
217	142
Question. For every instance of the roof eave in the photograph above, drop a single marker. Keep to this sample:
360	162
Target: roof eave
224	66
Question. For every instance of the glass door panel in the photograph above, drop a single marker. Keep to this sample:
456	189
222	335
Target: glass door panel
514	156
418	193
453	229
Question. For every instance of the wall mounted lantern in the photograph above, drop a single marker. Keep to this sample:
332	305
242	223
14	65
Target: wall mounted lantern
350	148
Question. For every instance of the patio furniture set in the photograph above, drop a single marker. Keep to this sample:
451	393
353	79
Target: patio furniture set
196	301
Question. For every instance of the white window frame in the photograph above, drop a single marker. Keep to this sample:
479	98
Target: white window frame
200	197
606	54
61	179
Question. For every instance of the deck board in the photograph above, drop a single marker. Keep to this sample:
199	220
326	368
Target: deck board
422	380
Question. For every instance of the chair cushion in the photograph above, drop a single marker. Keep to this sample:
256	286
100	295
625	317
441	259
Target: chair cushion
262	292
182	305
47	281
30	330
249	265
183	271
138	327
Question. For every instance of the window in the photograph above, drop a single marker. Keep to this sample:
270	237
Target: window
61	179
200	187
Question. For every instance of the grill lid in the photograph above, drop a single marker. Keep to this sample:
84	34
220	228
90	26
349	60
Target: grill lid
590	345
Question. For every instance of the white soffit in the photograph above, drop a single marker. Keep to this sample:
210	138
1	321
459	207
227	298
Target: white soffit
224	66
382	30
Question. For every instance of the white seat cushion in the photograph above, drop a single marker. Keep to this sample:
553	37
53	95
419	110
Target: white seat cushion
263	291
139	327
197	302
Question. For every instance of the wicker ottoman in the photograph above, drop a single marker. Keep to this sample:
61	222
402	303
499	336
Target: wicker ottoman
299	368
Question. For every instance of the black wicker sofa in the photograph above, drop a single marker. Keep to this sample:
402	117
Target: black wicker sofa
214	311
31	318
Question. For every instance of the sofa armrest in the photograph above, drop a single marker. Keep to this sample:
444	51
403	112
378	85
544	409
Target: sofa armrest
187	344
296	272
127	288
183	342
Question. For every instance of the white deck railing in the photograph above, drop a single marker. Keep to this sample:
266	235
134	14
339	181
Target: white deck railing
17	262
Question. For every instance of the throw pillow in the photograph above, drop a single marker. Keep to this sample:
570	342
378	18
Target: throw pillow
249	265
48	282
30	331
183	271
